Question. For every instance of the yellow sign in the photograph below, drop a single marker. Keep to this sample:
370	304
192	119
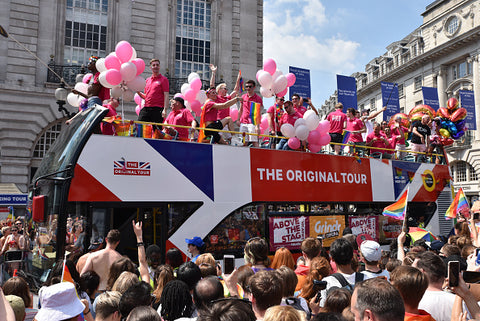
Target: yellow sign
328	227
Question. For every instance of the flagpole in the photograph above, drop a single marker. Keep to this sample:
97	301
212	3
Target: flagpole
404	227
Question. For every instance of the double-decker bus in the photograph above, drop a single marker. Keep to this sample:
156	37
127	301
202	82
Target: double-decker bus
223	194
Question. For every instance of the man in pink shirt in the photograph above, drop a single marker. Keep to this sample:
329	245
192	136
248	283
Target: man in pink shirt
179	116
156	95
355	128
289	117
298	104
338	122
377	139
246	125
398	131
275	112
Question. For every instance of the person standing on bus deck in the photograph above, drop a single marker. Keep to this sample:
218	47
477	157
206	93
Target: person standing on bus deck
180	116
289	117
298	104
338	122
156	95
275	113
195	247
246	125
421	135
355	127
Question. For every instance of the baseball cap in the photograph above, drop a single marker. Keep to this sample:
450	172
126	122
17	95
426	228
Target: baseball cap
18	306
195	241
436	245
371	251
59	302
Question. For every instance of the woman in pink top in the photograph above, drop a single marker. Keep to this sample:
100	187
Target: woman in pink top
179	116
398	131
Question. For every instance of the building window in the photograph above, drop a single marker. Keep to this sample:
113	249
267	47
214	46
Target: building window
461	172
396	60
400	90
85	30
418	83
192	44
372	104
461	70
452	25
473	174
46	140
414	50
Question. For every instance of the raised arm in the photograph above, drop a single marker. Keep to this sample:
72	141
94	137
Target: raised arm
213	69
376	113
400	241
227	104
142	257
5	308
236	90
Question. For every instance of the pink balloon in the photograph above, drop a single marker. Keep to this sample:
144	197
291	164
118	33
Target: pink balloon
196	85
264	123
178	95
113	77
270	66
137	110
324	140
323	127
290	79
86	78
282	93
137	99
190	95
314	148
140	64
124	51
313	137
234	113
294	143
196	107
128	71
112	62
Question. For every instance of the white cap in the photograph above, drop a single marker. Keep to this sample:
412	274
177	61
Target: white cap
59	302
371	251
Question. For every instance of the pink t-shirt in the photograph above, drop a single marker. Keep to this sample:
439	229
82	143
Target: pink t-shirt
108	128
245	117
210	112
337	120
180	117
392	142
378	142
275	113
290	119
222	113
354	125
301	109
154	91
395	132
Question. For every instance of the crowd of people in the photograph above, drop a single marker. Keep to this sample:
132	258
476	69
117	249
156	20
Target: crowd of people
354	279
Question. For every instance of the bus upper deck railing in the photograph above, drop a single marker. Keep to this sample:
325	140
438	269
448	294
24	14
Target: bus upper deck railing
128	128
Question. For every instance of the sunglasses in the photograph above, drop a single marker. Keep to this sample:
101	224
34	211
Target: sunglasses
14	230
281	99
248	86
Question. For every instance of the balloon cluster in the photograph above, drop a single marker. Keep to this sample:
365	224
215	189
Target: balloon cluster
452	120
310	129
121	71
273	81
404	123
419	111
140	103
78	100
193	94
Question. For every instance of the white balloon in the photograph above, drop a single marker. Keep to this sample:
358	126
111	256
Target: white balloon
265	92
128	95
100	65
312	122
201	96
134	54
301	132
187	105
277	74
192	76
299	122
128	71
265	79
279	84
137	84
308	113
72	99
287	130
184	88
81	87
116	92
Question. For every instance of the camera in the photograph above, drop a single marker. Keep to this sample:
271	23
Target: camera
305	100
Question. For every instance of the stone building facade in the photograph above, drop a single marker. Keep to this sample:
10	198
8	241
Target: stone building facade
186	35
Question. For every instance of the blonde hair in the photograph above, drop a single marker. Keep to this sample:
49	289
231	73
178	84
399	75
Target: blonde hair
125	280
206	258
283	313
219	86
107	304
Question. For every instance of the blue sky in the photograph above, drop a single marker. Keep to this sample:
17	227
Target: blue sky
334	37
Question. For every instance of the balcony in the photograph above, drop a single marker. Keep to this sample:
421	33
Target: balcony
67	72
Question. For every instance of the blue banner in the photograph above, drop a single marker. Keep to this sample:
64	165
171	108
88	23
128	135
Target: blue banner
430	97
467	101
390	99
347	92
13	199
302	84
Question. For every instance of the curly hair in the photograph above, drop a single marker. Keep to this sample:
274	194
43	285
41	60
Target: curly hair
176	301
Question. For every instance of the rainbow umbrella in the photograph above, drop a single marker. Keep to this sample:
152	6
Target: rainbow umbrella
418	233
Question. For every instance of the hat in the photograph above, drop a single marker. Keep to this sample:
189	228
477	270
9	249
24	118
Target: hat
59	302
371	251
92	59
18	306
436	245
195	241
180	100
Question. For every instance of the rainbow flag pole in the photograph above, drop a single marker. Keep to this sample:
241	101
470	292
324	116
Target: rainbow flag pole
398	210
458	205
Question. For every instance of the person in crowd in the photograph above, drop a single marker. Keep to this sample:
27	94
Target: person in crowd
174	258
411	283
465	296
96	93
266	291
376	299
142	256
421	137
125	280
143	313
338	123
310	249
207	290
319	269
6	230
392	142
367	120
14	241
275	113
101	261
398	132
289	283
337	301
118	267
246	125
164	274
256	254
298	104
355	128
5	308
289	117
179	115
107	306
230	309
176	301
435	301
156	95
17	305
77	238
135	296
244	273
377	139
283	256
19	287
154	255
283	313
371	253
195	247
189	273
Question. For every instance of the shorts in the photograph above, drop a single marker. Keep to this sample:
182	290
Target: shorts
249	128
418	147
336	138
151	115
216	135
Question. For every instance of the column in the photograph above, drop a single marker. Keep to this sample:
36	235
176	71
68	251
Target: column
476	91
441	81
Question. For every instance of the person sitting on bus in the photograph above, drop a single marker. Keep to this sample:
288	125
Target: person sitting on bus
179	116
375	140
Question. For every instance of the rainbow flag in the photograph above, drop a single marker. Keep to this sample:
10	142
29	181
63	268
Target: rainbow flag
241	84
458	205
255	112
398	209
346	136
66	276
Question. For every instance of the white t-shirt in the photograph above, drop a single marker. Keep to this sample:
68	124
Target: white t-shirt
370	275
331	282
438	303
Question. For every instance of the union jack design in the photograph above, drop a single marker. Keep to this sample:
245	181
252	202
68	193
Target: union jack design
135	168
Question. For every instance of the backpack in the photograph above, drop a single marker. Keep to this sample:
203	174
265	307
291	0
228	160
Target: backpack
295	303
345	285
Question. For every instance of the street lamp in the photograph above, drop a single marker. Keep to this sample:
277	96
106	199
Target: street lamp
61	96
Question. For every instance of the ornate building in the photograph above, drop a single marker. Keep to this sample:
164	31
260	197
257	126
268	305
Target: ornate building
186	35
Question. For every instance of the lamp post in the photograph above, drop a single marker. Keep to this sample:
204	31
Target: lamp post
61	96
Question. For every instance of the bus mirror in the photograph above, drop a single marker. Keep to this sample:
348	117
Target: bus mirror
38	208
